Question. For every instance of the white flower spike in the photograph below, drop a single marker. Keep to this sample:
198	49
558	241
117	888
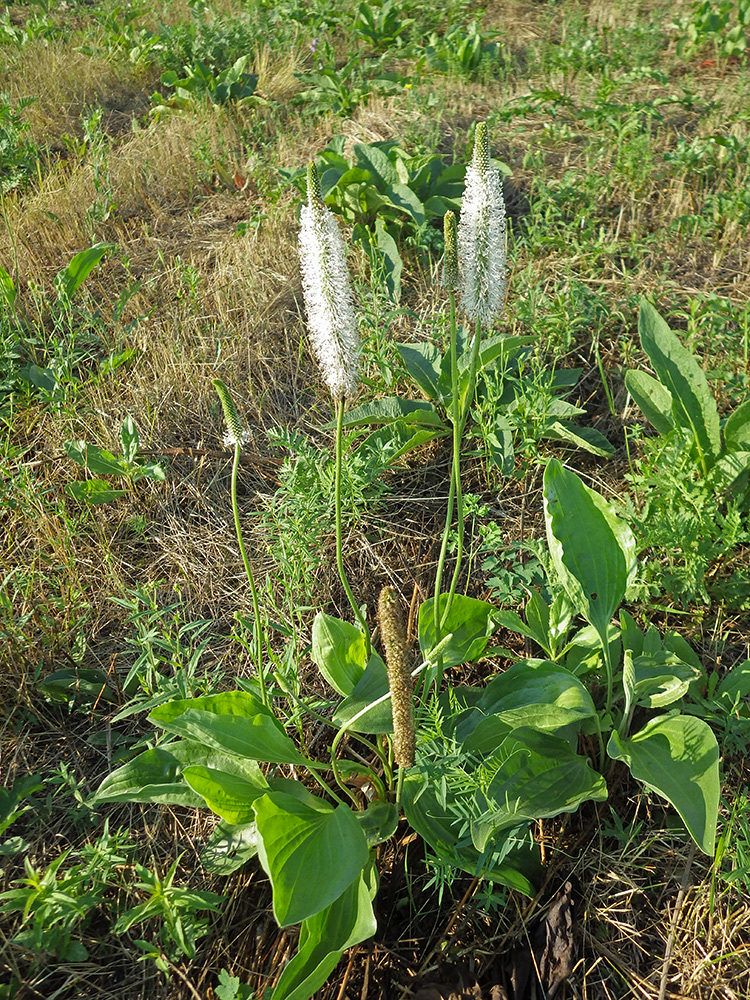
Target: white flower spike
481	237
328	295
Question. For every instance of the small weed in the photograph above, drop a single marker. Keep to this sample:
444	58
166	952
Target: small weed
19	156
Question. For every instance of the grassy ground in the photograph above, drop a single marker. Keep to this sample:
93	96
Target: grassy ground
624	133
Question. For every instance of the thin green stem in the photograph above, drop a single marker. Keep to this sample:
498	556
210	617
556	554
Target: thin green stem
458	431
602	751
608	665
324	786
251	581
339	540
455	486
400	787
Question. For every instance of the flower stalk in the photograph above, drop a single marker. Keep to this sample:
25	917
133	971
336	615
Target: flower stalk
474	264
238	436
332	323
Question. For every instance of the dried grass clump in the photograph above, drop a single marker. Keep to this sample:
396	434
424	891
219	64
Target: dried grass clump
66	83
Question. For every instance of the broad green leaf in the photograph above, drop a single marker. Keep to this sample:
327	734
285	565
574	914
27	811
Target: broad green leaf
403	198
311	855
129	439
563	410
354	175
677	644
70	279
225	703
41	378
587	554
677	756
628	684
632	637
372	685
78	683
588	438
537	618
329	179
323	939
338	651
513	621
392	263
228	795
498	439
156	775
378	821
661	679
730	471
735	683
7	289
388	444
537	693
149	470
377	163
536	775
383	411
258	738
512	860
94	491
229	847
96	460
497	350
471	622
737	429
693	405
423	364
653	399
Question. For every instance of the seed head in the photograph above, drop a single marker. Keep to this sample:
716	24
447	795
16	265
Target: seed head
481	237
328	295
236	433
393	632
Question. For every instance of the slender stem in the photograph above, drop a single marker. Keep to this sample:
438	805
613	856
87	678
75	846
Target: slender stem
455	487
250	579
324	786
608	665
339	541
443	553
458	431
400	787
602	751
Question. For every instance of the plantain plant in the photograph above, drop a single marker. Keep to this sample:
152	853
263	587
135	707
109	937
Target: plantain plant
469	769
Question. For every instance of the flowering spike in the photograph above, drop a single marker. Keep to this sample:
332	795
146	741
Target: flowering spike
393	632
314	192
328	295
450	256
481	237
236	433
481	157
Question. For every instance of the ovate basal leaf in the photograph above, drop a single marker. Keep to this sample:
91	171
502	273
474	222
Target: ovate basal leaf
311	854
592	551
323	939
677	756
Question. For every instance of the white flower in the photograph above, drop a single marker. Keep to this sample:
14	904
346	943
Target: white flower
481	237
231	438
328	296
